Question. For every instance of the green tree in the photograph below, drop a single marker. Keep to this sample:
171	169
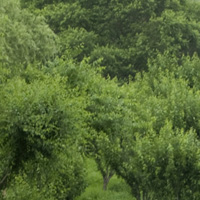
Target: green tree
161	166
153	99
104	116
24	37
40	125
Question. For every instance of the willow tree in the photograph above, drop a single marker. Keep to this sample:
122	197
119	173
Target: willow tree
24	37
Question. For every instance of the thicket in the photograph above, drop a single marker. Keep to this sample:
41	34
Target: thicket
115	81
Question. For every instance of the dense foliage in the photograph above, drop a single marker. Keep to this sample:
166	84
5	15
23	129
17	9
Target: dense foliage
113	81
124	34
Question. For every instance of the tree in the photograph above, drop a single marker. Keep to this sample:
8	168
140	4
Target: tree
106	110
39	128
102	121
109	118
162	104
24	37
161	166
105	107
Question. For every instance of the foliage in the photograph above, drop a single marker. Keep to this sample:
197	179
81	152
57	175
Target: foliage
39	124
24	38
114	60
62	15
155	98
105	107
56	110
79	42
124	33
164	166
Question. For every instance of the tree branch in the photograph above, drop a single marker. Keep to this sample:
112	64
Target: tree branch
3	179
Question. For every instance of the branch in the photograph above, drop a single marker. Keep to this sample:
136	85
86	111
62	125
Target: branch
4	178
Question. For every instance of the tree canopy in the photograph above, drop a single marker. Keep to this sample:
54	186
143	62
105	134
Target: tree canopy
113	81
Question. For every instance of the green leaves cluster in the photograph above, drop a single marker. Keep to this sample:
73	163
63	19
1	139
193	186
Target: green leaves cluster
24	37
162	166
38	125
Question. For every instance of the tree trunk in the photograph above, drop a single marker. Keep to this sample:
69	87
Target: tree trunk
106	179
138	197
145	195
105	183
178	196
3	180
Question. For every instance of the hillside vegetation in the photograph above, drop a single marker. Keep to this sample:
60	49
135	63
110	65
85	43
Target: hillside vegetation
99	100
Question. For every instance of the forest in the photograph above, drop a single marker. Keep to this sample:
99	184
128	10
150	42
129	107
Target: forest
100	100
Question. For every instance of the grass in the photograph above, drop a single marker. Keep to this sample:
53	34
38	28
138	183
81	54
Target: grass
117	188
